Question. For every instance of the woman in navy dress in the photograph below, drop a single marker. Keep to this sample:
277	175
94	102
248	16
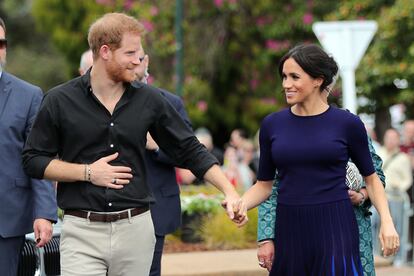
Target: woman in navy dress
309	145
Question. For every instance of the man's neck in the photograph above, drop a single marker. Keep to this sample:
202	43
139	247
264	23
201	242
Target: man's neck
103	86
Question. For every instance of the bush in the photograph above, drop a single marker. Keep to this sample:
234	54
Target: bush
218	232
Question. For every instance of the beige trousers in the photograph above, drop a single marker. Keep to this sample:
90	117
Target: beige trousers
121	248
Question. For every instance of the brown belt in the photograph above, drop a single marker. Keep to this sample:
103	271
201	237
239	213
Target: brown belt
106	217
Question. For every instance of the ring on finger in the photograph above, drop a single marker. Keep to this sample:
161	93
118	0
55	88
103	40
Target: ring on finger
114	180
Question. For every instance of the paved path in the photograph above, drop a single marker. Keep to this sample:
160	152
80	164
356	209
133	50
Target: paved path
240	263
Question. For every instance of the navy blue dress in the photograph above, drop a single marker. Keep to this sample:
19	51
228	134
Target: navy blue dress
316	229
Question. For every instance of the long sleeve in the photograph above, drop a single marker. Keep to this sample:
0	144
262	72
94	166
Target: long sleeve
44	197
160	155
267	216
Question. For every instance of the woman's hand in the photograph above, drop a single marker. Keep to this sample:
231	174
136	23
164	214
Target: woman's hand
358	198
389	239
266	253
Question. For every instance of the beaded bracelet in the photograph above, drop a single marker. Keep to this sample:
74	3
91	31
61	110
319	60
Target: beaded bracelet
87	175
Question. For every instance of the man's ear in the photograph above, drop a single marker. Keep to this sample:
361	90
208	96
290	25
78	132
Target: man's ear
105	52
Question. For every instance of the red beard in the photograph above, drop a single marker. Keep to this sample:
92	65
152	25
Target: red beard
119	74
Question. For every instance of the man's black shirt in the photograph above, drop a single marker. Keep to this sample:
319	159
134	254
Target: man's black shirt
73	125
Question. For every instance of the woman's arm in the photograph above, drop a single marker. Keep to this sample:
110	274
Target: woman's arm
388	235
258	193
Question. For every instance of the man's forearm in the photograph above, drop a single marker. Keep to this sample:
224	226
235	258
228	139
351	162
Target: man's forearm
58	170
215	176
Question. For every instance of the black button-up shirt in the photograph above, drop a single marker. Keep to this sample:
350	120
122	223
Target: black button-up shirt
73	125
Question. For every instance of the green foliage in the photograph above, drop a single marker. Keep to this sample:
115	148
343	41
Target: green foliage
218	232
45	69
389	57
200	204
230	50
30	55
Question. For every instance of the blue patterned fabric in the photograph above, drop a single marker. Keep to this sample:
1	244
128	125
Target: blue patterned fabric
267	218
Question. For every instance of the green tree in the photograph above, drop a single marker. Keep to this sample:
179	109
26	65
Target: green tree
390	56
30	56
231	49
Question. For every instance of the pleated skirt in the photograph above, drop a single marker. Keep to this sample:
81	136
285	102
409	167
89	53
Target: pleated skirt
316	240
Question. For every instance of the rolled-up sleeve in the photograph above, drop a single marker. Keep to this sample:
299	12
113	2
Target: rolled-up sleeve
177	139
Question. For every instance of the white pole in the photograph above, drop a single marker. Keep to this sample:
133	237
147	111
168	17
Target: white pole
348	90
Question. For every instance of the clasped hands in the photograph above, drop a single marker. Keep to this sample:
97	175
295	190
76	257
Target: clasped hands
236	209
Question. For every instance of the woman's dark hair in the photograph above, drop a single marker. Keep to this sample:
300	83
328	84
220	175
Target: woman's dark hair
314	61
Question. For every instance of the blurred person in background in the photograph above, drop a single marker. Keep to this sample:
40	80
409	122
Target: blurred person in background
86	62
371	133
397	170
408	147
205	138
237	138
26	204
407	144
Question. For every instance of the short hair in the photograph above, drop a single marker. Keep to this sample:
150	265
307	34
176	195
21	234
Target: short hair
314	61
84	65
2	24
109	30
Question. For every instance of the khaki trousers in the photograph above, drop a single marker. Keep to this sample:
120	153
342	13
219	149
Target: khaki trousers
121	248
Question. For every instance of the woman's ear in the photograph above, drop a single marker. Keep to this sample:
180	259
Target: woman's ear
317	82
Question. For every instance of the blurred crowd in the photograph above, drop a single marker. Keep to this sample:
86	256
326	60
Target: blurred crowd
397	154
239	159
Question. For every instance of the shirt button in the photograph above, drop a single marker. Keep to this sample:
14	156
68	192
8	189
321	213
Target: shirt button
110	204
111	145
112	124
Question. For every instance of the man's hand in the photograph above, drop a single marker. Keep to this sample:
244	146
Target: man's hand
43	231
265	254
141	71
105	175
236	210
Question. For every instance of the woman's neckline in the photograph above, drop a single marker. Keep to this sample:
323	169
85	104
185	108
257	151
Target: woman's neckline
310	116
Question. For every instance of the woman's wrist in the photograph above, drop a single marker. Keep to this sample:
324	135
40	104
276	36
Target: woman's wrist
263	242
363	198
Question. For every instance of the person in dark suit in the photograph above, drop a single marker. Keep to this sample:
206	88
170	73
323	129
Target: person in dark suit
166	210
26	204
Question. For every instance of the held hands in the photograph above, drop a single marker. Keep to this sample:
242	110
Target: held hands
236	210
266	254
388	236
43	231
105	175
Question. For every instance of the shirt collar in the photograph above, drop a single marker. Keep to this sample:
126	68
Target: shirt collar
87	87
